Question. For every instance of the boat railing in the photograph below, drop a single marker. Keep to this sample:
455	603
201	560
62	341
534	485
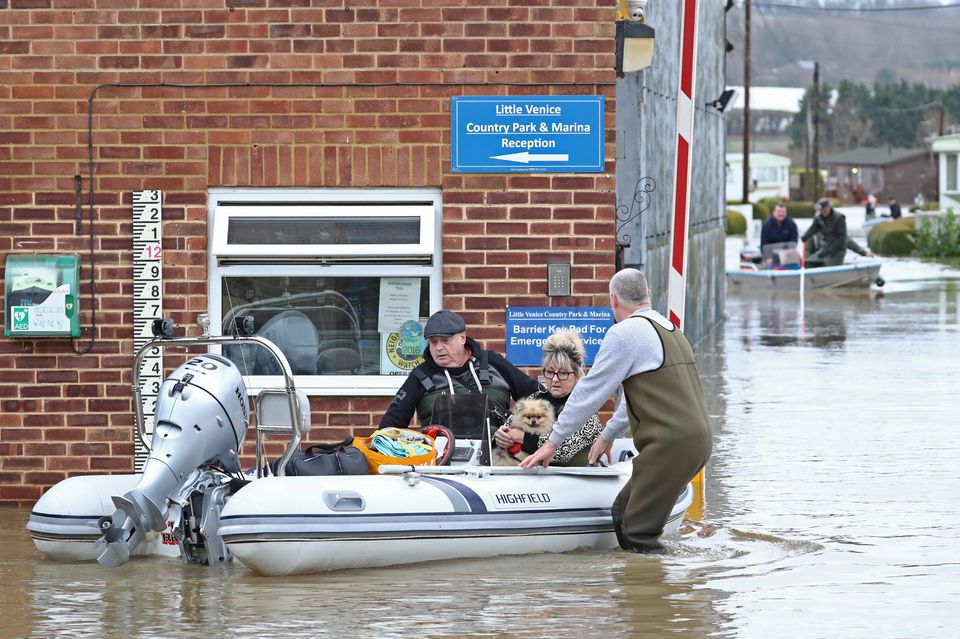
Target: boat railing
163	339
484	471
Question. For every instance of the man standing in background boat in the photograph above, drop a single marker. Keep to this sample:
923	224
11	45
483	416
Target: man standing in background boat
662	404
831	226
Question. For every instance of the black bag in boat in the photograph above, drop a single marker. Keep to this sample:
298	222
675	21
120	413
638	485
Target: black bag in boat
326	459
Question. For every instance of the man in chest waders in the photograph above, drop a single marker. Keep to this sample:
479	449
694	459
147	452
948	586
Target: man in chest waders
662	404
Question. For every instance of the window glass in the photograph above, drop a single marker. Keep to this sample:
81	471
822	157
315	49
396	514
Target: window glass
323	325
766	173
281	230
951	172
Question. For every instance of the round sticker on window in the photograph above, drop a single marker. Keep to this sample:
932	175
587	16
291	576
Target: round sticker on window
405	349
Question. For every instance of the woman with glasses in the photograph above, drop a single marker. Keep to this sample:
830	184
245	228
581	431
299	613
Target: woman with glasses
563	357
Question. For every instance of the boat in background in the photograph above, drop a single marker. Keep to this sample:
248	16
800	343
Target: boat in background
851	276
783	272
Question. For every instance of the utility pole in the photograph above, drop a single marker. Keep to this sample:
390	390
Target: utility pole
816	129
746	102
807	134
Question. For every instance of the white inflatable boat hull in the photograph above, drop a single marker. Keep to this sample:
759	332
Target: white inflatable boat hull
63	522
287	525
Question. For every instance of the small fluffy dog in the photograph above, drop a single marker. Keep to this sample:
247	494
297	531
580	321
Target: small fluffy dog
531	415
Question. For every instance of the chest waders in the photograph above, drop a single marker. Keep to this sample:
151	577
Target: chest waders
491	385
671	430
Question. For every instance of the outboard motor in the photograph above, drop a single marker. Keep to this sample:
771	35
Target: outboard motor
201	419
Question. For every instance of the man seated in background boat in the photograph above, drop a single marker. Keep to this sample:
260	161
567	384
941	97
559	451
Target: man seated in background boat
563	358
456	364
778	229
662	404
830	228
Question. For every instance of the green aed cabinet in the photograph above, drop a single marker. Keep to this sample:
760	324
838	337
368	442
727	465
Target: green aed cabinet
41	292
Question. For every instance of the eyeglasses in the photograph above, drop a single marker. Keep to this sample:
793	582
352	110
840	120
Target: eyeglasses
561	375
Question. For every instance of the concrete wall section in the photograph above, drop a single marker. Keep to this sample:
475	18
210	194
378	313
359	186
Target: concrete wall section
646	129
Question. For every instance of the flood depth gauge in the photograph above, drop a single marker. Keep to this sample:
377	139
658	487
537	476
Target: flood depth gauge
147	303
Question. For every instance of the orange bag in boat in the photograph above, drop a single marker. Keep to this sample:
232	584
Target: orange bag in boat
419	448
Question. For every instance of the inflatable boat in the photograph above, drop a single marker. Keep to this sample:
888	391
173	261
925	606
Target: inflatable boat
192	501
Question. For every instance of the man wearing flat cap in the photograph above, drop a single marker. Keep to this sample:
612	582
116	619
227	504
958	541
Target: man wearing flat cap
455	364
831	226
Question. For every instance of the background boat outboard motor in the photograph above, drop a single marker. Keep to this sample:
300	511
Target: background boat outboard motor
751	254
201	418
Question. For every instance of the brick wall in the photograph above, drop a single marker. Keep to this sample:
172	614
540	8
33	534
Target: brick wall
66	414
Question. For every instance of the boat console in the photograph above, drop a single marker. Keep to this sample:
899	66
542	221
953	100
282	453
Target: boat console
464	452
469	418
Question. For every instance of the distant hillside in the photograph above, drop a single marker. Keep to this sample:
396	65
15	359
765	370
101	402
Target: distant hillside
917	46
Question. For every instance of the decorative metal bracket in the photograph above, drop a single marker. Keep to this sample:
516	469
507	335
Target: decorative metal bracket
626	214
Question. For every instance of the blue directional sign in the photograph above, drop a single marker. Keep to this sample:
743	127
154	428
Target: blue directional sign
504	134
528	327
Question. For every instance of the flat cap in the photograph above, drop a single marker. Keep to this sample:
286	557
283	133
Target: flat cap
444	323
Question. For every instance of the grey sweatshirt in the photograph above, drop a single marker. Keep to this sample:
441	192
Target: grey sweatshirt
629	347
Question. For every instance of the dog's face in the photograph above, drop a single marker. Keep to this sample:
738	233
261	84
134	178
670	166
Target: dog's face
533	416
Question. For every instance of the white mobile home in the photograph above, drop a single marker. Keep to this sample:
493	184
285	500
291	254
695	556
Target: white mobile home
947	147
769	176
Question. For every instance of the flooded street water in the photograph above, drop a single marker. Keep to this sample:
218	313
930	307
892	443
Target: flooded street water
831	512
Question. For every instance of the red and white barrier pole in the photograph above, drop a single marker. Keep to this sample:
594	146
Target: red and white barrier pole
683	158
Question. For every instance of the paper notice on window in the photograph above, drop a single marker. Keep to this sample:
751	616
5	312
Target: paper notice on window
399	302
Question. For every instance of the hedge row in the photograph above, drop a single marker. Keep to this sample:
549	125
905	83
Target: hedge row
897	237
736	223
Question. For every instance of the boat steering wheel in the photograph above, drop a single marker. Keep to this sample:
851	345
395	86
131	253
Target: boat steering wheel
435	431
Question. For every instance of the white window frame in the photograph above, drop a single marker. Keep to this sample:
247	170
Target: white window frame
423	259
945	174
221	246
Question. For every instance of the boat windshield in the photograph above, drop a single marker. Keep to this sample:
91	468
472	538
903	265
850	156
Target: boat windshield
781	255
465	414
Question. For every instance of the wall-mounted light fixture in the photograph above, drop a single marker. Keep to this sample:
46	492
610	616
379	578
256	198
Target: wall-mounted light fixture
634	37
721	103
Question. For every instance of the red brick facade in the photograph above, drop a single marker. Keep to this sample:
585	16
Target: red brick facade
316	125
